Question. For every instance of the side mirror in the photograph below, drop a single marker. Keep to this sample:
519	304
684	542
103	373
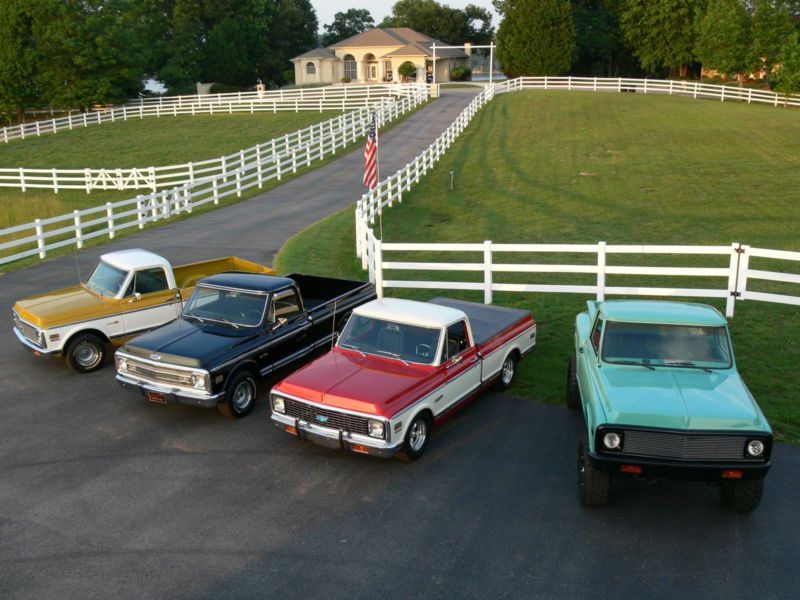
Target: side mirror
281	322
136	297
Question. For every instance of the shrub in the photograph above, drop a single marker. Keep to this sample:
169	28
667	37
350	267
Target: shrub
288	75
461	74
223	88
346	80
406	70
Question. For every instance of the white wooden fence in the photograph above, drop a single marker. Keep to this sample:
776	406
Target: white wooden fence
734	277
170	176
295	100
43	235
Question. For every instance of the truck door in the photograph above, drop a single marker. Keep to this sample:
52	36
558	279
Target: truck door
587	362
149	302
291	333
461	366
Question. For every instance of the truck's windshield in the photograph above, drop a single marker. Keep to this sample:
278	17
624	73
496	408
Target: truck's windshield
106	280
232	307
666	345
409	343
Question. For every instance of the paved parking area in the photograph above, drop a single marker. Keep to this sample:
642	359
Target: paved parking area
104	495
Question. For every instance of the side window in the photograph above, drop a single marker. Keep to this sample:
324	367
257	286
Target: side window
597	333
457	340
150	280
285	305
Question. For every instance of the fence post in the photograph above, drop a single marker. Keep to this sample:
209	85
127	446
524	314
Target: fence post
191	173
601	271
258	166
40	238
487	272
216	189
139	213
110	214
378	258
78	229
738	256
55	181
239	182
22	178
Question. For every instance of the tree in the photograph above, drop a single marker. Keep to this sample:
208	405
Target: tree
294	31
347	24
18	62
536	37
788	73
600	47
452	25
661	32
772	28
724	39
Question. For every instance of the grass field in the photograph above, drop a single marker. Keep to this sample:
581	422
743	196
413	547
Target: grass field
154	141
571	167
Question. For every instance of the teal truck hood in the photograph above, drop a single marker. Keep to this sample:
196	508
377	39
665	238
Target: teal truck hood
678	398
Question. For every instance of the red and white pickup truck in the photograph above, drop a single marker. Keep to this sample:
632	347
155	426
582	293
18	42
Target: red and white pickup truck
398	368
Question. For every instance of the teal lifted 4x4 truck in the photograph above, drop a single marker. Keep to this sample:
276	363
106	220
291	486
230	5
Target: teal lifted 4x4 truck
661	397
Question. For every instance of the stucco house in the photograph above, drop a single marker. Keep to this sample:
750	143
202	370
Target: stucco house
375	56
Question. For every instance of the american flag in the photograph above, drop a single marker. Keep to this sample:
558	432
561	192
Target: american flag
371	155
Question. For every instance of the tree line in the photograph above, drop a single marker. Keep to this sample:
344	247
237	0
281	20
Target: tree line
735	39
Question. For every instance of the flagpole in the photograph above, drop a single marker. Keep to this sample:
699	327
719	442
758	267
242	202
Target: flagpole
378	172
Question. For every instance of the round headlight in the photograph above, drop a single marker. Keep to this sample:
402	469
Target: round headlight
278	405
755	447
122	364
198	380
375	428
612	441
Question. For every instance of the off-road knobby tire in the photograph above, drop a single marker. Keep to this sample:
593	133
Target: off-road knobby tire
741	495
573	393
594	485
505	381
409	452
77	356
229	405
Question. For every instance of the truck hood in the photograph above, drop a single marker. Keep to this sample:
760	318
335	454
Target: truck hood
370	384
187	343
677	398
63	306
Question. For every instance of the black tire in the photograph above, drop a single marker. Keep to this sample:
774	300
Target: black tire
594	485
240	397
85	353
417	437
507	372
573	393
741	495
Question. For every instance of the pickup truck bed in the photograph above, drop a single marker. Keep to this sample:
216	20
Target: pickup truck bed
317	290
487	320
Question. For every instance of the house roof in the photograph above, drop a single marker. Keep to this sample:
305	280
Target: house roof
317	53
410	42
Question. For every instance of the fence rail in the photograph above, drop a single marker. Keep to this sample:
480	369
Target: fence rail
43	235
736	276
315	99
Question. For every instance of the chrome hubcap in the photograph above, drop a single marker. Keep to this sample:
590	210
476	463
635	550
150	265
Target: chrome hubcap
243	395
508	371
86	355
417	435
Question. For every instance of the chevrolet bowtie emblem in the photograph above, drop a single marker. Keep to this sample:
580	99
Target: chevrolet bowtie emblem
322	418
155	356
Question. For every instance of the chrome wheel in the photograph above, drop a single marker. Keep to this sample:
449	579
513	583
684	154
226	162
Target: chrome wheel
243	395
507	375
87	355
418	434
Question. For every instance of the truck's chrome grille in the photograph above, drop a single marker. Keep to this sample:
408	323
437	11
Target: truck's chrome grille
162	375
325	417
30	332
685	446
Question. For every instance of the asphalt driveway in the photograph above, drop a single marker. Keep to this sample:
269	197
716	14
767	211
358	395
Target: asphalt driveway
104	495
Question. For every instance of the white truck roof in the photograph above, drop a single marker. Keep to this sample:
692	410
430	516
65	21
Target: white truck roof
410	312
135	258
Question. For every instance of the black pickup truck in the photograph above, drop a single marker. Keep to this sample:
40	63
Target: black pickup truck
236	327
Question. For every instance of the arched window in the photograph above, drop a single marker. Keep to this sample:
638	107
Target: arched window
311	69
350	68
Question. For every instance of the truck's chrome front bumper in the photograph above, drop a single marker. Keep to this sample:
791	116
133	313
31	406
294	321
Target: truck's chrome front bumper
168	395
29	345
334	438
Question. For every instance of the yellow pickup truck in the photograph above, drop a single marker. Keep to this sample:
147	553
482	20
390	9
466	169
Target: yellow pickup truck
128	292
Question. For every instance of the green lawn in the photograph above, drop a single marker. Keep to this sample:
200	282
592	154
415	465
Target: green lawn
573	167
153	141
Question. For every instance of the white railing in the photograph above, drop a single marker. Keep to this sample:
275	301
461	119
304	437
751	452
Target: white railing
296	100
170	176
736	274
690	89
43	235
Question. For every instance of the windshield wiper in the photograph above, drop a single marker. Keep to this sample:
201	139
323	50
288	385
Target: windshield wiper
224	320
393	355
632	362
349	347
686	363
193	316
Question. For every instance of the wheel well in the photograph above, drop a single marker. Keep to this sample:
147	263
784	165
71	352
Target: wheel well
96	332
515	353
248	366
425	411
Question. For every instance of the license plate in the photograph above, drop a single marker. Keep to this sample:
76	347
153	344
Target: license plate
157	397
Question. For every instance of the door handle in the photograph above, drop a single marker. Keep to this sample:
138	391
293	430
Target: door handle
474	359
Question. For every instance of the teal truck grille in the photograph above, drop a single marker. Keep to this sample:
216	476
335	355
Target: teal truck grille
685	446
